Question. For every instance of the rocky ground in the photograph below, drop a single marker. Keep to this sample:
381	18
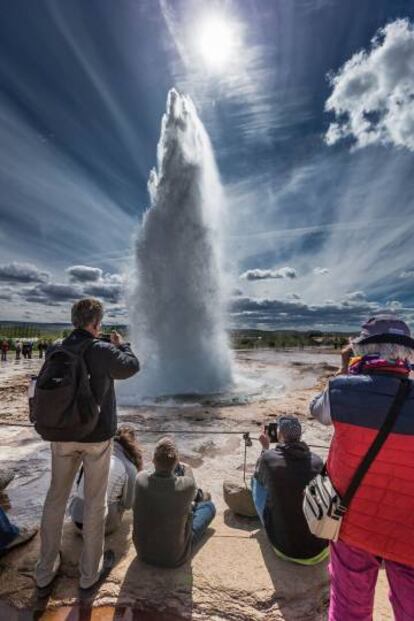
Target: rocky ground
235	574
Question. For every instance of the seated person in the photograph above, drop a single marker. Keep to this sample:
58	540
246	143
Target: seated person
126	462
280	478
12	536
168	522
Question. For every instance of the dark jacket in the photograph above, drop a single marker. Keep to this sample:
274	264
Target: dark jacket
163	518
105	363
285	471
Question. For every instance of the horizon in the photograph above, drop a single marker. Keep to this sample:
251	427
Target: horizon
309	112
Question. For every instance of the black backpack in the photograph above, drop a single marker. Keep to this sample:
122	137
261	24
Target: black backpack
64	408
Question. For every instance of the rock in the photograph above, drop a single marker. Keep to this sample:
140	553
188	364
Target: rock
238	498
6	476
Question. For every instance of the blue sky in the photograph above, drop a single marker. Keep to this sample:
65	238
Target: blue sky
312	126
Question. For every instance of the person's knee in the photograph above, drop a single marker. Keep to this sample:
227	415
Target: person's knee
212	508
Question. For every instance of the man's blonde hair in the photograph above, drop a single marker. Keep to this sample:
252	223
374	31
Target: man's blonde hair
86	312
165	455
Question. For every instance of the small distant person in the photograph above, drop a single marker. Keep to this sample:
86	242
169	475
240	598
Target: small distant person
12	536
18	349
378	527
29	349
4	350
126	462
168	522
106	362
40	349
280	478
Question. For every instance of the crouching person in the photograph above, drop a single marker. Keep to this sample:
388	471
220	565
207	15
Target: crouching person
168	522
126	462
280	478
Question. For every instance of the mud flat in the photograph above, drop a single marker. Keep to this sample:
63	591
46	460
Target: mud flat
235	574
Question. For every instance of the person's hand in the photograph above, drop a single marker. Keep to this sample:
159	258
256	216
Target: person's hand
116	338
264	440
346	355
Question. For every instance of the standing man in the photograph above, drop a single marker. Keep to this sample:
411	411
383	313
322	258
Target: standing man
377	528
105	362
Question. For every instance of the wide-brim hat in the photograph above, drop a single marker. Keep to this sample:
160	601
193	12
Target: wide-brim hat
385	329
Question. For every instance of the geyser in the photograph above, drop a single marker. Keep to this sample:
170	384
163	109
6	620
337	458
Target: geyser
177	306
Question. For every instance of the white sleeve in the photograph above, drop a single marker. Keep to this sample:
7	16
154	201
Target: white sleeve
116	481
320	408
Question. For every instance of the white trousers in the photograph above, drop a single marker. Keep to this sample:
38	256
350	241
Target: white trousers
66	460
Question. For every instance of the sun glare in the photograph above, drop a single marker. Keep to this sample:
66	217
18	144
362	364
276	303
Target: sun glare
216	41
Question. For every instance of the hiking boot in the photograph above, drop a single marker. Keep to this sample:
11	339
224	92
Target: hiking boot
25	534
108	564
6	475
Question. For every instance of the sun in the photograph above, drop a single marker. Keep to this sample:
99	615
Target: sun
216	40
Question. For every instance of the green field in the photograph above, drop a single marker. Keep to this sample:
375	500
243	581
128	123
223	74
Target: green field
239	339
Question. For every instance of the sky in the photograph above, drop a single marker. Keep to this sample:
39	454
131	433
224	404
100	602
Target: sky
309	105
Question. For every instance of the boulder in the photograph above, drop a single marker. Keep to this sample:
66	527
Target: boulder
238	498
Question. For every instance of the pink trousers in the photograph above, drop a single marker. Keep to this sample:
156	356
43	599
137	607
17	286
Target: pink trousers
353	577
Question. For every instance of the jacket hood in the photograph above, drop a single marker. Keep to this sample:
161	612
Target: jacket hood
296	450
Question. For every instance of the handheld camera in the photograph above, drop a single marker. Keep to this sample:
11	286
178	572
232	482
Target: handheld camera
272	431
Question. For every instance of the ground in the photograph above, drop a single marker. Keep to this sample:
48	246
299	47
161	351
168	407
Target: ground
235	574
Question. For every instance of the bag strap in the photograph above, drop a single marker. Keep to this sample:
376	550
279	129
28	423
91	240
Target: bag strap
376	445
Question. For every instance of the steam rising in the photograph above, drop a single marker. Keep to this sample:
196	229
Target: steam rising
177	305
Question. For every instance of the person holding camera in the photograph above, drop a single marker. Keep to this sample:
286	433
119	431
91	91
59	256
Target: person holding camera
377	527
170	515
280	478
76	385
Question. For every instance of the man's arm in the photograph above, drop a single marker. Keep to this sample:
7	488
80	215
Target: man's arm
260	471
129	488
187	479
122	363
119	362
320	407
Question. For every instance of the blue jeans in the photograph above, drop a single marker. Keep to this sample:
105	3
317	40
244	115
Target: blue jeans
259	494
8	532
203	514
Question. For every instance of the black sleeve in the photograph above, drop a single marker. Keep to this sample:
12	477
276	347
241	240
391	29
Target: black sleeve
118	362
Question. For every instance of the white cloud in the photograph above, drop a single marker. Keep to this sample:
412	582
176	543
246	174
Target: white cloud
356	296
407	274
321	271
83	273
259	274
52	293
373	93
22	273
274	313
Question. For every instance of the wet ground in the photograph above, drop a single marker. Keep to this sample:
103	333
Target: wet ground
208	431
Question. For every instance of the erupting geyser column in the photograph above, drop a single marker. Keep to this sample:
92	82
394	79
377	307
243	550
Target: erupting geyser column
178	306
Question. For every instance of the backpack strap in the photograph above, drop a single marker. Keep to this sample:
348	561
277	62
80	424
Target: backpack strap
402	393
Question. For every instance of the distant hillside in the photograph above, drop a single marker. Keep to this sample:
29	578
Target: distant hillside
240	339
